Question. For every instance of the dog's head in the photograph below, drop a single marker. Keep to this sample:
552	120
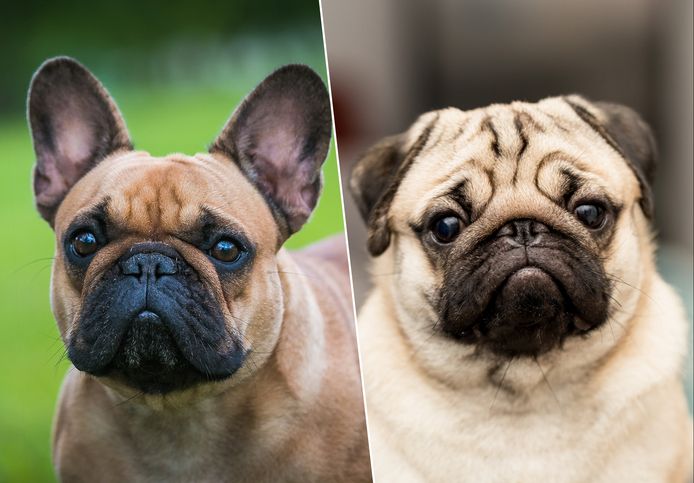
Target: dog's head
513	228
165	270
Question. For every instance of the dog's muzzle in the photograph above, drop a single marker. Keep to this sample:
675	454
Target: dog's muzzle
523	291
151	323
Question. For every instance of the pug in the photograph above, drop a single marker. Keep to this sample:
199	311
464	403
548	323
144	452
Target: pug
202	350
518	330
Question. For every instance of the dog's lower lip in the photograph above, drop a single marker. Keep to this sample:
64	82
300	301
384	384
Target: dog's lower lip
526	279
582	324
528	271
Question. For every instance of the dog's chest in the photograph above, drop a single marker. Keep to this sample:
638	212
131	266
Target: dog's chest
558	444
205	446
177	447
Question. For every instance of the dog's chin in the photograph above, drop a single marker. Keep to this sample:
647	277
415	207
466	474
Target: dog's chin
529	315
149	360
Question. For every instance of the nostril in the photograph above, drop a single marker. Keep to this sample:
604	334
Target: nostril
522	231
154	264
506	230
536	228
131	266
164	266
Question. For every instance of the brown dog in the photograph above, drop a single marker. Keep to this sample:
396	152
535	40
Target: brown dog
203	350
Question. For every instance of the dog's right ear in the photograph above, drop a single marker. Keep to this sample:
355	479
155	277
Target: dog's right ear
377	176
371	178
74	124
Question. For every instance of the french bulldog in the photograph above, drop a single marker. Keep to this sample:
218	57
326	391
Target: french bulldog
202	350
518	329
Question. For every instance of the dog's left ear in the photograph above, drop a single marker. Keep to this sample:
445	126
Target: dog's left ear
637	143
279	137
630	136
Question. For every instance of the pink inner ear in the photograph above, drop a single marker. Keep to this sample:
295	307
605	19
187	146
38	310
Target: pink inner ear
287	182
280	134
60	170
277	156
49	184
76	145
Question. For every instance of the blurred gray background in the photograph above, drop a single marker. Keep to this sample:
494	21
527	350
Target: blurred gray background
393	59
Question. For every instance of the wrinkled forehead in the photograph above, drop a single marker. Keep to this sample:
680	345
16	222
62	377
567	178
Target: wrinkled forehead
505	148
155	196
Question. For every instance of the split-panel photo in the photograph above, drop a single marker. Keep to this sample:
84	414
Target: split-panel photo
325	241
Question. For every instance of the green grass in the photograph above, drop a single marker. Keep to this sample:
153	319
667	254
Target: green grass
31	362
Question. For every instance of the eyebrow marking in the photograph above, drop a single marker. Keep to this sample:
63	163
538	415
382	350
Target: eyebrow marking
457	194
489	172
210	222
520	130
572	183
540	166
489	127
529	121
98	213
210	217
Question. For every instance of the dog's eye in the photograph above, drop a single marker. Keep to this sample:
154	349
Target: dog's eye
446	228
225	250
592	216
84	243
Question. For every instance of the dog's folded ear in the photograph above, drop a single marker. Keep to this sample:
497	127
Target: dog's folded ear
377	175
279	137
623	129
637	143
74	124
371	178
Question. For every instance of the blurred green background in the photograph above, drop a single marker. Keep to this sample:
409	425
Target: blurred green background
176	70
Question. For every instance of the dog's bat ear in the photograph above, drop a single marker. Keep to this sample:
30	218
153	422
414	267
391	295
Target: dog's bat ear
623	129
369	182
279	136
637	143
74	124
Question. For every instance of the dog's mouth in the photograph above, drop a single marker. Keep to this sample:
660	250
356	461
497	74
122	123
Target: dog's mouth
153	357
528	315
149	359
525	301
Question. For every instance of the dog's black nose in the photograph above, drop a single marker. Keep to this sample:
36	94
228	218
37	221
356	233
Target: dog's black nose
523	231
152	264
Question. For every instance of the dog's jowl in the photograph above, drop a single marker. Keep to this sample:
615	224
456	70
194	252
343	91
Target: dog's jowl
521	331
202	350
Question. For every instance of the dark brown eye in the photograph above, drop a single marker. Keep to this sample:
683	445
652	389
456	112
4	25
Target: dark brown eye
447	228
84	244
225	250
592	216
